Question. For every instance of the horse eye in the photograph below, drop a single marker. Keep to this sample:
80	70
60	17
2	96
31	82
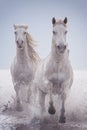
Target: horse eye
24	33
66	32
54	32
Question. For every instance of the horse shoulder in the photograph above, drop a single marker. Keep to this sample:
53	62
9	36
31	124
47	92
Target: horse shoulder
51	70
66	73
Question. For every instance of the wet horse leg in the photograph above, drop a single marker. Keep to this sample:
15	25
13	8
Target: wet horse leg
62	114
18	103
42	101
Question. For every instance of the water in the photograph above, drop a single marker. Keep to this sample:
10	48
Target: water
76	109
42	127
23	121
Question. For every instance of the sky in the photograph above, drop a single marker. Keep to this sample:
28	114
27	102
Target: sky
37	14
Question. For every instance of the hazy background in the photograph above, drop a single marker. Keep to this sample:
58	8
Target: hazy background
38	15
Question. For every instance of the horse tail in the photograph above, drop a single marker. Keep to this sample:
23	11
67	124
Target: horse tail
51	108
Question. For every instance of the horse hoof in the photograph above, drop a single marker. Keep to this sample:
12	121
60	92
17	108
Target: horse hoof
19	108
62	120
51	109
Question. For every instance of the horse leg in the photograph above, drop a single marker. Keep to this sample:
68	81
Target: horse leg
18	103
42	101
51	109
62	114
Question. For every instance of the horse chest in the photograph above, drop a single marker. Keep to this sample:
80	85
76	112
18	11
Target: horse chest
23	73
56	74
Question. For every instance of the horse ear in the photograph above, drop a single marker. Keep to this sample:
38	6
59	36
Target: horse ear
26	26
53	20
14	26
65	20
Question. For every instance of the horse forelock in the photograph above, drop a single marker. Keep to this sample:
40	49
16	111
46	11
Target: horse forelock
24	26
31	48
60	21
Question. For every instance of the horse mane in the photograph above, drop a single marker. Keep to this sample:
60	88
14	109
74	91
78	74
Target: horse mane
31	51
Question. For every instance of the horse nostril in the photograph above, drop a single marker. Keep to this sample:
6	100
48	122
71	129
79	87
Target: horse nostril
61	47
20	42
17	41
65	47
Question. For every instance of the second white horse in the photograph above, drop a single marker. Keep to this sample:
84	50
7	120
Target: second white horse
55	75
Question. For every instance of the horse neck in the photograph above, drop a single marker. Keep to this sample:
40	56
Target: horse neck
58	57
22	55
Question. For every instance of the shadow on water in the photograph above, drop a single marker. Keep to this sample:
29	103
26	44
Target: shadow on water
23	127
44	127
20	121
39	127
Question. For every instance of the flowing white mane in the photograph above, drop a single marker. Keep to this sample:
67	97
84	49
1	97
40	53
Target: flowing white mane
31	51
30	44
23	67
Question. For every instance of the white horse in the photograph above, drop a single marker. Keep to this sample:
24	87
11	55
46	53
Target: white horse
24	65
55	75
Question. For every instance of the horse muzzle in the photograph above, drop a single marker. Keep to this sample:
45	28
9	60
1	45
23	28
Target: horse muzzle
20	43
61	48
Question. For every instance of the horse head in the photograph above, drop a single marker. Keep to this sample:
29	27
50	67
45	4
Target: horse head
20	35
59	34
